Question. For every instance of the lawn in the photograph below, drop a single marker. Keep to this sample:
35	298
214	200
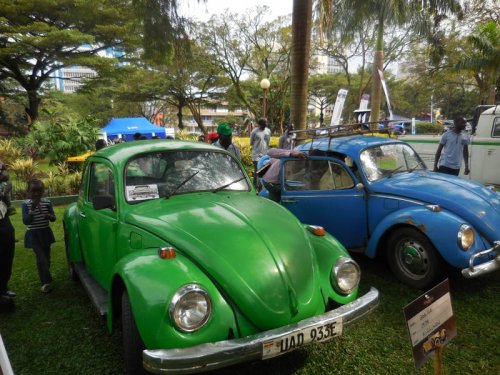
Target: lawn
61	333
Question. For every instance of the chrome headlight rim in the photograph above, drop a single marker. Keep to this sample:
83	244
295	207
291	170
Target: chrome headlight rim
465	237
336	271
181	294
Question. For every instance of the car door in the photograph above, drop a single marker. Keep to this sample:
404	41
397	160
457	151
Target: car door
324	191
97	228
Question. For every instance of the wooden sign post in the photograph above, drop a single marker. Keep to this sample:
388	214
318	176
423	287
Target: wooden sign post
431	325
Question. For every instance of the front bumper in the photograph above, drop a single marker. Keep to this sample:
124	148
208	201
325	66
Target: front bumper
484	268
220	354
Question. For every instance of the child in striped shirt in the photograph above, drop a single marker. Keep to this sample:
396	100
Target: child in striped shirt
37	212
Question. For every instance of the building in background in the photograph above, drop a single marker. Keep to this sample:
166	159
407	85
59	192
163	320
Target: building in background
69	79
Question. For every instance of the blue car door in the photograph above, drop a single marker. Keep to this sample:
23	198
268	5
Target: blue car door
324	191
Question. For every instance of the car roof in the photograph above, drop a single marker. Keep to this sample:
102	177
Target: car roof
349	145
125	150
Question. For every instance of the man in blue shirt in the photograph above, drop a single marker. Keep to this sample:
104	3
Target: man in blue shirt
455	144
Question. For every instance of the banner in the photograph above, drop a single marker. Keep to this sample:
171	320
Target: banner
339	106
365	99
386	93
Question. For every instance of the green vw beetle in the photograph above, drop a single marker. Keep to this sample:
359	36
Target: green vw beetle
170	239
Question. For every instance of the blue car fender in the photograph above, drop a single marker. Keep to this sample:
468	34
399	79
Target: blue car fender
151	282
441	228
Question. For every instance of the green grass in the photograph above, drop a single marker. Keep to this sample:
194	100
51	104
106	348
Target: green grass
61	333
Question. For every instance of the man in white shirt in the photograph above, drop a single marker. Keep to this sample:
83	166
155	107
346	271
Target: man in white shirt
259	141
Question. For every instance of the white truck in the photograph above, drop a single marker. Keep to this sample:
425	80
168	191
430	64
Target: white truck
484	151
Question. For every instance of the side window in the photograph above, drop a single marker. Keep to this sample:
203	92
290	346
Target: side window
496	128
315	175
101	181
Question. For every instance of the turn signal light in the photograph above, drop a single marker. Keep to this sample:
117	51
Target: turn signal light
166	253
316	230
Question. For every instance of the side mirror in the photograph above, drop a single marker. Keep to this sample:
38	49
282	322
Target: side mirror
101	202
359	186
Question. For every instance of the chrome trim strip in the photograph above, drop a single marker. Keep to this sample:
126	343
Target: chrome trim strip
220	354
484	268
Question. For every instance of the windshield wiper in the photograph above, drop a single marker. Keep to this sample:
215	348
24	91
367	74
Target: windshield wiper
419	164
391	173
181	185
229	184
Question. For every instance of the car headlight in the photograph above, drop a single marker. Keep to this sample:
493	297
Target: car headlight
190	308
465	237
345	275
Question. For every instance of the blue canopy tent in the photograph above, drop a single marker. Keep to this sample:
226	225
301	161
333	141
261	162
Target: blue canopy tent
125	128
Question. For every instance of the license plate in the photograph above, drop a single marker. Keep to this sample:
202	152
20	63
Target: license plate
295	340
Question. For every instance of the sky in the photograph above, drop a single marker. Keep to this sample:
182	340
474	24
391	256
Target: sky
203	11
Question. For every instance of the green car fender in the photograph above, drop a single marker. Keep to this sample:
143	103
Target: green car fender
328	250
71	238
151	282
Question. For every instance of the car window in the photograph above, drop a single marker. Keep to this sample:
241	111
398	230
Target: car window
309	174
101	182
385	160
496	128
162	174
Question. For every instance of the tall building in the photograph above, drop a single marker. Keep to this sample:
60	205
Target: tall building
69	79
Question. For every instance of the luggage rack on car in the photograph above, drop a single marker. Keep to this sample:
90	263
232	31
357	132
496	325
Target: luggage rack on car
337	131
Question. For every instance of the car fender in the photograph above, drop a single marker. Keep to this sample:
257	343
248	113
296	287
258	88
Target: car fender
71	231
440	227
328	250
151	282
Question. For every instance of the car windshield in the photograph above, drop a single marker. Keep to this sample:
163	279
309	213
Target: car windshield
385	160
163	174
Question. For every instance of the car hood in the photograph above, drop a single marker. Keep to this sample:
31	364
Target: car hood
475	203
256	252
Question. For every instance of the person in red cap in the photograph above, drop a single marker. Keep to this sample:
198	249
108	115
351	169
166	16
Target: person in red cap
225	140
213	137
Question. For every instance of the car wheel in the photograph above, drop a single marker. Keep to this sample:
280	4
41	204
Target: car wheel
413	259
132	342
71	266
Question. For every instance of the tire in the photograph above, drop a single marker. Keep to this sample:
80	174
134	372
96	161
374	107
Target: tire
71	267
413	258
132	342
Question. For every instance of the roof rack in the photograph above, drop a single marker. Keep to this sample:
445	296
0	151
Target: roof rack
337	131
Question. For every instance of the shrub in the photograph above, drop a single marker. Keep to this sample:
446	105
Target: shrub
9	152
22	170
429	128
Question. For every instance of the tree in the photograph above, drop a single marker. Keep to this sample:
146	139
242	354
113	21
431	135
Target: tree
301	49
353	14
484	60
248	48
323	89
39	37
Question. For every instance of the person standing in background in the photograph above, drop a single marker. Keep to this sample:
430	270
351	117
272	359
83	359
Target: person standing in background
37	212
455	143
7	238
225	140
259	142
287	139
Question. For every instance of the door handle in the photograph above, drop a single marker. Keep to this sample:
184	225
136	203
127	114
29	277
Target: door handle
288	200
82	214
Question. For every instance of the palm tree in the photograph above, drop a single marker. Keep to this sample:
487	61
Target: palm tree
301	48
484	61
352	14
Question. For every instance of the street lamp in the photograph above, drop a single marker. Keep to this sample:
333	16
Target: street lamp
264	85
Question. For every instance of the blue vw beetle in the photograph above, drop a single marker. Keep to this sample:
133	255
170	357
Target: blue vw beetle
376	196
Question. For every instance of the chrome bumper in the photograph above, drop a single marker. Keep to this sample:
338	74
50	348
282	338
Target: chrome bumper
220	354
484	268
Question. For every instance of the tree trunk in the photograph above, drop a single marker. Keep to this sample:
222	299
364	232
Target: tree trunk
195	110
33	104
301	47
378	64
180	124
